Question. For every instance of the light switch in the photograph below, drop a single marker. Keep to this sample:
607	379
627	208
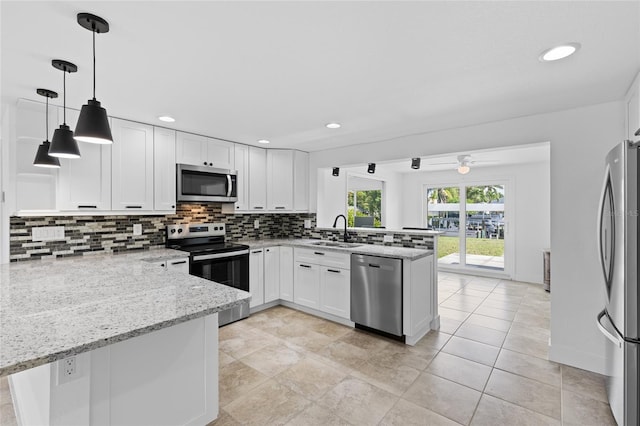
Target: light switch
387	239
256	224
47	233
307	223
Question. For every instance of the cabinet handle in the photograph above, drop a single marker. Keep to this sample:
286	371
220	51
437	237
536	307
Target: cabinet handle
133	207
211	164
280	207
87	207
333	270
258	207
373	265
257	251
178	263
205	163
173	207
305	266
162	264
319	253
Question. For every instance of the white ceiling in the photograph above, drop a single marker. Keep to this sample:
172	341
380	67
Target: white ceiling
245	71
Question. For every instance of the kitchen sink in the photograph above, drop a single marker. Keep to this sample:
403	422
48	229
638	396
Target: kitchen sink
335	244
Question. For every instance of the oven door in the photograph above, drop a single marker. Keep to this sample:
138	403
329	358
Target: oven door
230	268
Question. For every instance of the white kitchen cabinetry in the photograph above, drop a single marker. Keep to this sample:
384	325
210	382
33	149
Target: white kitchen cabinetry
323	281
257	179
132	166
256	277
35	186
286	273
164	170
203	151
84	183
280	180
300	181
335	291
306	285
241	156
632	101
271	274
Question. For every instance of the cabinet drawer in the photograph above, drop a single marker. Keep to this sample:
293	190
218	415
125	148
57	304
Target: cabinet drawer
323	257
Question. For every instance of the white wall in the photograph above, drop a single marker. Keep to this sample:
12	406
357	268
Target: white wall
580	138
528	209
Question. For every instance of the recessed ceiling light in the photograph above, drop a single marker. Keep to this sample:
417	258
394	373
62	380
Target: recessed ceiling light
166	119
559	52
333	125
264	141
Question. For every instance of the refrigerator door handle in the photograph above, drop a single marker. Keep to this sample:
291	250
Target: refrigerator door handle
616	341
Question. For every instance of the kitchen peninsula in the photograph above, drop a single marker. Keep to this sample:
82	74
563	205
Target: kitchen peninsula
143	340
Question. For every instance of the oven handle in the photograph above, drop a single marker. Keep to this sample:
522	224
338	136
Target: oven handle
220	255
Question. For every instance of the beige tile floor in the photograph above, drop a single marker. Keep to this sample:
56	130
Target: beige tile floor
486	366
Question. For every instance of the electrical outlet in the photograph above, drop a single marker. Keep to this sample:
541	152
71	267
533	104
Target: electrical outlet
137	229
307	223
387	239
256	224
67	370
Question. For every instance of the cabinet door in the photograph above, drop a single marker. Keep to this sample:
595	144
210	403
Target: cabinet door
85	183
242	179
306	286
271	274
280	179
164	169
300	181
220	154
286	273
191	149
335	291
257	179
132	166
256	277
179	265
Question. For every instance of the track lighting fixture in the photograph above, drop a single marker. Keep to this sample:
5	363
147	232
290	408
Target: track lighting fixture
43	159
93	124
336	171
62	143
372	168
415	163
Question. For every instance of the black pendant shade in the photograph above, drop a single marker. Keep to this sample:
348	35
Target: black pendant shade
62	143
93	124
43	159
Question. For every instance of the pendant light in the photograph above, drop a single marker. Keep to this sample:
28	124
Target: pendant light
43	159
62	143
93	124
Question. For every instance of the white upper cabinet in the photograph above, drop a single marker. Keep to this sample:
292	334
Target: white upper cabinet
164	169
300	181
257	179
242	179
35	186
632	100
84	183
203	151
280	180
132	166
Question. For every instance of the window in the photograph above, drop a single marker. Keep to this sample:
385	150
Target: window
364	202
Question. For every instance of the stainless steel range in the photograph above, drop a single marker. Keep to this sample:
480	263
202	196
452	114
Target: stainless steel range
212	258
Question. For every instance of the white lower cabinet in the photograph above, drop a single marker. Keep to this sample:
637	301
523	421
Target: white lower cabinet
306	285
335	291
256	277
286	273
271	274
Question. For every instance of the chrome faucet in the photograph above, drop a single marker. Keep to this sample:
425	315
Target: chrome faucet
335	222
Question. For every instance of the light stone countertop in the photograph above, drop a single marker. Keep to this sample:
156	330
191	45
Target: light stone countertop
357	248
52	309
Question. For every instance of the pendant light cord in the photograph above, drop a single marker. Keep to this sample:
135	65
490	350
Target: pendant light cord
46	137
64	95
94	62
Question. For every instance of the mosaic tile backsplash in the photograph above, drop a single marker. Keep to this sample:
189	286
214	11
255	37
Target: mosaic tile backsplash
91	234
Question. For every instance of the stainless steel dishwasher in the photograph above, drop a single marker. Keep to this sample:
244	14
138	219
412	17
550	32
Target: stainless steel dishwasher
376	293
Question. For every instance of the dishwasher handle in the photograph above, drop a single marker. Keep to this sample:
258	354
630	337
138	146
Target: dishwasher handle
373	265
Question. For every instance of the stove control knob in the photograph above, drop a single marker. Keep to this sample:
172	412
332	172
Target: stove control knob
173	231
180	231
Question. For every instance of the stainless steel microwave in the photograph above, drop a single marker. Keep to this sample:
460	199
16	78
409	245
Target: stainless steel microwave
206	184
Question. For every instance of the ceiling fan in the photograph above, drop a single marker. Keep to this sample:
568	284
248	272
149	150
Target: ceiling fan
463	164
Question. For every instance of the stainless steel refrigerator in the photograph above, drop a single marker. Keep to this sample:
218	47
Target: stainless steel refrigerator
618	247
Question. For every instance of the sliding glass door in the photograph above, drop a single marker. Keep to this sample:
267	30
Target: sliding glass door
472	219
